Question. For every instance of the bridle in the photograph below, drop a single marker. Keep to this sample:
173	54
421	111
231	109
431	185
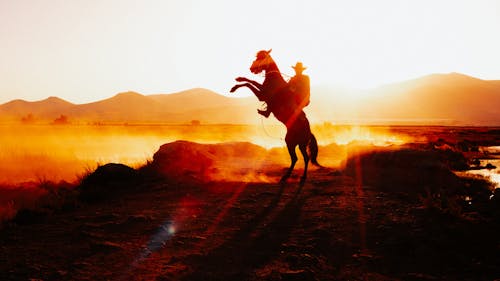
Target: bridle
262	74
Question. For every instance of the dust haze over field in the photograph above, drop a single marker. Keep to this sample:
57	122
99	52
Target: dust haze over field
55	153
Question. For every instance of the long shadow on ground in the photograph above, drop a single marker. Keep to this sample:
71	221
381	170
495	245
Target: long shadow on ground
255	244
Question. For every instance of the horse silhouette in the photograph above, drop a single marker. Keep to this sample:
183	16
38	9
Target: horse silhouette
279	99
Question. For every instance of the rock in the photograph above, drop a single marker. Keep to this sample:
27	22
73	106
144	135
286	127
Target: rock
28	216
466	146
108	180
405	170
490	166
184	160
111	172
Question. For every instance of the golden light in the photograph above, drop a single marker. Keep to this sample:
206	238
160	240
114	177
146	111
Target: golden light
169	46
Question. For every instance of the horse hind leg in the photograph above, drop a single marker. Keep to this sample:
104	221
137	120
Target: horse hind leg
303	150
293	157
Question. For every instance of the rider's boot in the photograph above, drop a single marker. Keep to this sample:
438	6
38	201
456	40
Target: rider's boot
264	113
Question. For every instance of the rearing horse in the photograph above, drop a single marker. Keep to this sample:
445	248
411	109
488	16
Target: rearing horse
275	92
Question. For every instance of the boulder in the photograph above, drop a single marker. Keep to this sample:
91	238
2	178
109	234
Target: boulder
402	169
107	181
184	160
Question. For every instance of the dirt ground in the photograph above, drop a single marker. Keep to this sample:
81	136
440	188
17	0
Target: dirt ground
332	228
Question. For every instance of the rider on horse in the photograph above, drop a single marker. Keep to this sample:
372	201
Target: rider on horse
299	88
285	101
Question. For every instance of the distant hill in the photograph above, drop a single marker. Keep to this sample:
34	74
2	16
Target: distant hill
445	99
455	97
195	104
195	99
51	106
440	99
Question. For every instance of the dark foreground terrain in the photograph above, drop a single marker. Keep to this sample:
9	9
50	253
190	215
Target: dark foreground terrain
412	220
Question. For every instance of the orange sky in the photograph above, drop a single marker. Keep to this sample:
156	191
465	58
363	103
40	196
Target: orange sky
85	50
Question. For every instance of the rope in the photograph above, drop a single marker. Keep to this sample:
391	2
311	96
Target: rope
288	76
266	132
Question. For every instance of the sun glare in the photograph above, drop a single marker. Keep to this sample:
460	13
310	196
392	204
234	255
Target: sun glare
358	134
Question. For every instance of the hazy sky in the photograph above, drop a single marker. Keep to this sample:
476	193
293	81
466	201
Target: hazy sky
84	50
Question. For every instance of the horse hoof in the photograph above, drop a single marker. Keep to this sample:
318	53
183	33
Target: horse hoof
302	181
283	179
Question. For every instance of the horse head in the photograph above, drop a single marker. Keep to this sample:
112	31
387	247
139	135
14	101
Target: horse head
262	62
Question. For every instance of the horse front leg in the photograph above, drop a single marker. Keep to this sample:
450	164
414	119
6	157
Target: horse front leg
254	83
255	90
293	157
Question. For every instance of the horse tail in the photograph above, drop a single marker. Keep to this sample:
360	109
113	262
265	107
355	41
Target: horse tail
313	150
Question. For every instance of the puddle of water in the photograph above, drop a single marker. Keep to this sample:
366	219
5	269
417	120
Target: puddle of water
492	174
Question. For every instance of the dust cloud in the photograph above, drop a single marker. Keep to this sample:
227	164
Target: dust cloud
37	153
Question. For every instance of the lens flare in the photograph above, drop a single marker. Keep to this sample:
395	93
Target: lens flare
158	240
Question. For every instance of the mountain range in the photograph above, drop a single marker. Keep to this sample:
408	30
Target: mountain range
194	104
438	99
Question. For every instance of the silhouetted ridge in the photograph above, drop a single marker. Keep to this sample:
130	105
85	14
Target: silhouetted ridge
48	101
444	99
53	99
451	78
14	102
129	94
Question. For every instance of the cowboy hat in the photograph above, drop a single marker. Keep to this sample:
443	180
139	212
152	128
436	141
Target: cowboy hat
299	67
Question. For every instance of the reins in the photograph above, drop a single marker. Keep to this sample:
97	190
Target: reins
262	74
